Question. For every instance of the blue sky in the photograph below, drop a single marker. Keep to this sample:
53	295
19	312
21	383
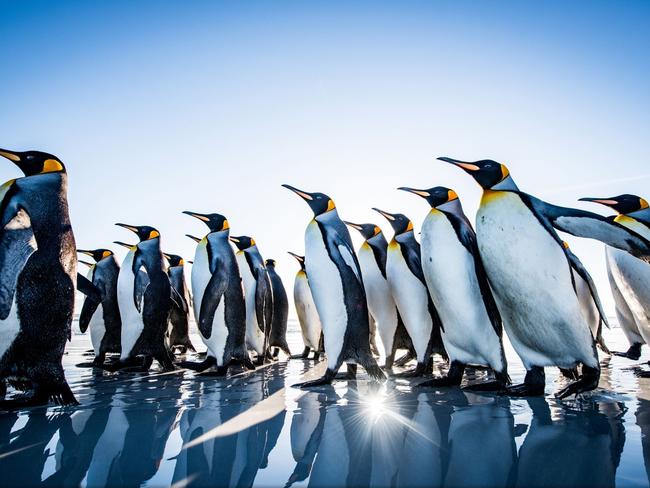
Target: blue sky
159	107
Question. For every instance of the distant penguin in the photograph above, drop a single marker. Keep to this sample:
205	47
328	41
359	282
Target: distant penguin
460	290
372	259
308	318
278	337
145	300
258	294
103	317
629	277
38	276
219	306
178	332
337	287
409	289
531	275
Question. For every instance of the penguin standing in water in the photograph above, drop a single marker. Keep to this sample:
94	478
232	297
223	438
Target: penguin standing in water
258	294
219	306
103	317
278	337
372	260
38	276
629	277
337	287
460	290
179	339
531	273
409	289
308	318
145	300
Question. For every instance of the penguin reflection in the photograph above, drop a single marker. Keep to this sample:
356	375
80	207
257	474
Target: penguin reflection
581	448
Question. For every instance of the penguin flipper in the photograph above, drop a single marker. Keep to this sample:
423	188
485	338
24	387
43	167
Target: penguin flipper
141	280
581	223
88	309
211	297
579	268
17	244
263	300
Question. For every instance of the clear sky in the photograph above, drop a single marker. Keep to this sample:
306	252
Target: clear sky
159	107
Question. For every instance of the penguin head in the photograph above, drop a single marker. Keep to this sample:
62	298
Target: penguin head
436	196
318	202
34	162
486	172
243	242
299	258
368	231
400	223
270	263
215	222
96	254
194	238
174	260
144	232
623	204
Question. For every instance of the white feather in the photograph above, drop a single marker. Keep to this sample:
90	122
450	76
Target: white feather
132	324
308	318
254	335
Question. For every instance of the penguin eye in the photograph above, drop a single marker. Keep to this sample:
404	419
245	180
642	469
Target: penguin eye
29	156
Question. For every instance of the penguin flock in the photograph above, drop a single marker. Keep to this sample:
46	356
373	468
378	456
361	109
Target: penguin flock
448	298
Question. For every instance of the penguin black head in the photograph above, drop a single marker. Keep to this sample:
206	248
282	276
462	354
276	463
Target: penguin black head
34	162
486	172
174	259
318	202
144	232
436	196
96	254
243	242
299	258
400	223
215	222
194	238
270	262
368	231
623	204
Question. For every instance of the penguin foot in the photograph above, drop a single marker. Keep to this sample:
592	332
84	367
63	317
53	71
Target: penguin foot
453	378
326	379
523	390
89	365
588	381
642	374
439	382
419	370
179	349
627	354
494	385
202	366
404	360
303	355
220	372
350	374
59	395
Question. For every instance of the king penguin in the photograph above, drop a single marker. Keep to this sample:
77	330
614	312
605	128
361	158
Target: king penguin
178	331
531	273
337	287
372	260
258	294
102	317
460	290
629	277
278	337
219	306
308	318
409	289
145	299
38	276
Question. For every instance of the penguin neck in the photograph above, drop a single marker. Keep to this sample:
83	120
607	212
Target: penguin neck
506	184
152	256
255	256
327	217
642	216
406	238
378	241
453	207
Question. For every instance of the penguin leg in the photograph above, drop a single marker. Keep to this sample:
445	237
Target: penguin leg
533	384
202	354
588	381
404	360
453	378
202	366
326	379
501	380
634	352
165	358
318	355
143	367
179	349
303	355
419	370
390	360
350	374
119	365
276	352
3	389
570	373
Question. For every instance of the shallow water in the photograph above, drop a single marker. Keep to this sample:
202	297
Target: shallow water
252	429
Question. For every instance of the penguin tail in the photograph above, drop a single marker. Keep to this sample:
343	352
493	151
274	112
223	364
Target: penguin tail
373	369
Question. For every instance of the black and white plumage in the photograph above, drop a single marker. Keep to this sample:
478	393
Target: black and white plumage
459	289
310	325
373	255
278	336
532	276
337	287
219	306
178	331
409	289
38	277
102	317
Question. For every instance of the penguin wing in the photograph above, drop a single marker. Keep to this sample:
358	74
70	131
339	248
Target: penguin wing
579	268
337	245
411	255
263	299
17	244
94	293
215	289
592	226
88	309
141	280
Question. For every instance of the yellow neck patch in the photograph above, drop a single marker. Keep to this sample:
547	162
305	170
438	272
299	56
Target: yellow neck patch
643	203
330	205
51	166
451	195
105	254
409	227
153	234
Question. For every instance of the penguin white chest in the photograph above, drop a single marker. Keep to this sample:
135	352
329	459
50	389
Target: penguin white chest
412	299
254	335
200	276
531	280
327	289
132	324
450	273
306	310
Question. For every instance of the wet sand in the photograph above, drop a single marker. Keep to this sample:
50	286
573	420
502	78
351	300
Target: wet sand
253	429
